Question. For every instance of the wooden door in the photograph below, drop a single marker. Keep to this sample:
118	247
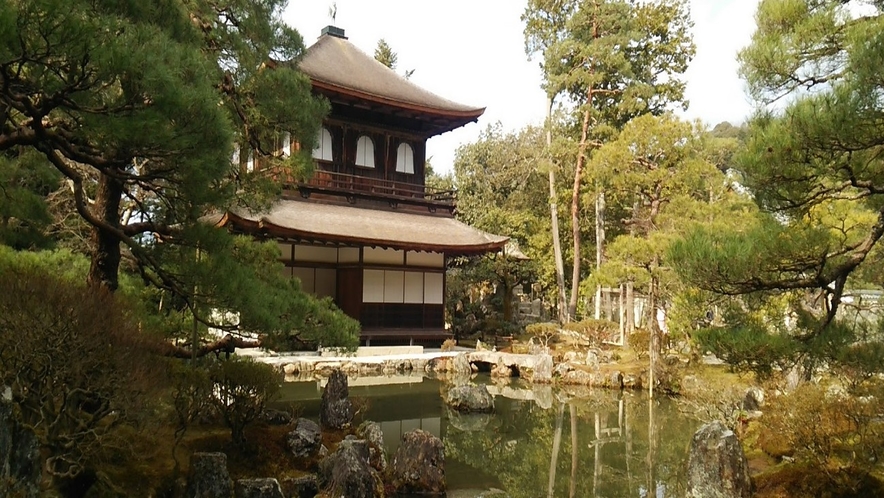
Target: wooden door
349	291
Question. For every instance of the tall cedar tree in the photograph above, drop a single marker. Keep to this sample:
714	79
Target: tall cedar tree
613	60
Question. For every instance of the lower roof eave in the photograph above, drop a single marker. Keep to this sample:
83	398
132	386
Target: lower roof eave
266	229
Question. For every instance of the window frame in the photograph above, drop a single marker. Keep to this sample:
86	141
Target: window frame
365	153
320	146
408	155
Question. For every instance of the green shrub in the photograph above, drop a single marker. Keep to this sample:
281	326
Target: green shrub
594	330
640	342
859	363
191	394
449	345
242	389
751	350
543	332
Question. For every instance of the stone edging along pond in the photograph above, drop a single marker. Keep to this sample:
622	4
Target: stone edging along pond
535	368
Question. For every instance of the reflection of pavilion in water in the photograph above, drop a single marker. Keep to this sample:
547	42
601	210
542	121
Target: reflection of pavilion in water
613	433
400	403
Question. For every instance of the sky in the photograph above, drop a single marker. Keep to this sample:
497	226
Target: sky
473	52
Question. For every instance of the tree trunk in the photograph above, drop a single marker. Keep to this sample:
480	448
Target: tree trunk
573	415
599	246
653	328
597	456
630	308
653	296
575	209
652	449
554	218
621	313
554	458
507	301
105	267
609	305
578	176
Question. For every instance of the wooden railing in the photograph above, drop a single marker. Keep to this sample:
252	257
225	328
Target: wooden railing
363	187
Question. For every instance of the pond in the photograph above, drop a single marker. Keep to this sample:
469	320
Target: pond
539	442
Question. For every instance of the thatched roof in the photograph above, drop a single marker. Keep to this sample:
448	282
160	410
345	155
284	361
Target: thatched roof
351	225
339	68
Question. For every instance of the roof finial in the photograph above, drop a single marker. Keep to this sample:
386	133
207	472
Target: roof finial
333	11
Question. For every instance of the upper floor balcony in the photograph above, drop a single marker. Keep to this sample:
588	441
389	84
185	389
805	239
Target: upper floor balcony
327	181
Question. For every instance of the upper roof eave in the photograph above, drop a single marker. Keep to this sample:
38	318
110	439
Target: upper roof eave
471	114
335	65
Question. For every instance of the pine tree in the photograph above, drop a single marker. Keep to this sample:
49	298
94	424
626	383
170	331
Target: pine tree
612	60
140	106
385	55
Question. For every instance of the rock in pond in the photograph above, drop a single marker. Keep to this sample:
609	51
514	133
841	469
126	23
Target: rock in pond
346	472
470	398
374	435
419	465
208	476
305	439
258	488
543	369
335	408
460	365
717	467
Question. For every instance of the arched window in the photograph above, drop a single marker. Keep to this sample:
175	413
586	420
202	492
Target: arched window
405	159
365	152
323	148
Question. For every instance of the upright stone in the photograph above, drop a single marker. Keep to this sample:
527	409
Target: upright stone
335	408
717	467
543	369
208	476
460	365
616	379
419	465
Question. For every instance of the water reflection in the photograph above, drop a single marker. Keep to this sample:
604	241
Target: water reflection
540	442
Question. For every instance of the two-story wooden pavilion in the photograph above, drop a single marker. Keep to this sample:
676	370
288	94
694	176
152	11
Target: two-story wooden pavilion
366	230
